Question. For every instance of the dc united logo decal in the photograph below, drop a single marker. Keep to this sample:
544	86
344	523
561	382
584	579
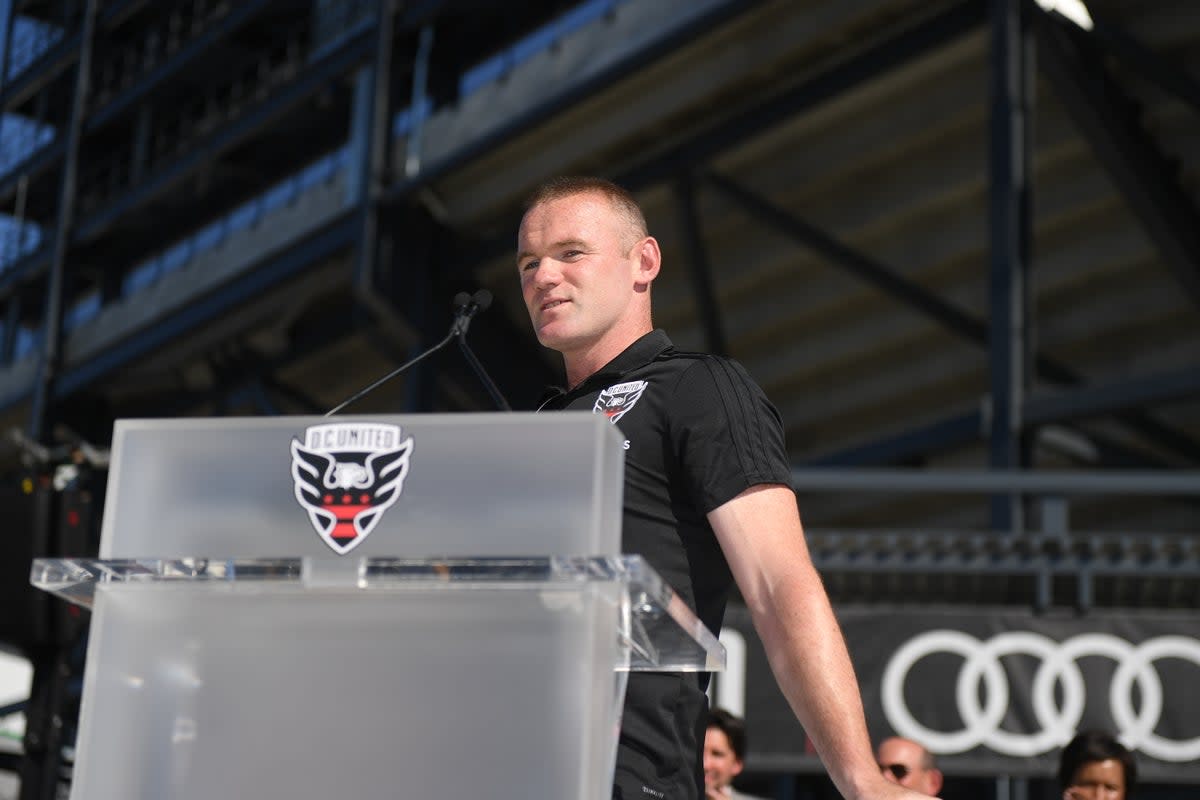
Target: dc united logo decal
615	401
347	474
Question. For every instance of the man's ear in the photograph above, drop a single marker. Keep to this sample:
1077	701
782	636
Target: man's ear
649	260
936	779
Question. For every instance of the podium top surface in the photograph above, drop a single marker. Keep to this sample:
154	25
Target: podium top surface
493	484
660	630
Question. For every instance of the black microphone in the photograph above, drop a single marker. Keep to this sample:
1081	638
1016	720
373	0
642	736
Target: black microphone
473	305
466	306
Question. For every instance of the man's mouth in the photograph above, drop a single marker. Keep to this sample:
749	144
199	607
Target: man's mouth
552	304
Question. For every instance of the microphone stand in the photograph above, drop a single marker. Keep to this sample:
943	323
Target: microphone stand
465	307
482	299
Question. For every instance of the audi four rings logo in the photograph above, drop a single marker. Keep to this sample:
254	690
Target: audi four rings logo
982	718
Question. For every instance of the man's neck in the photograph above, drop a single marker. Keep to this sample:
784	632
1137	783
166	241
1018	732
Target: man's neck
580	371
583	364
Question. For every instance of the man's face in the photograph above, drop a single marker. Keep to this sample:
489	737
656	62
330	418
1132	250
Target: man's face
901	762
578	262
1098	780
721	766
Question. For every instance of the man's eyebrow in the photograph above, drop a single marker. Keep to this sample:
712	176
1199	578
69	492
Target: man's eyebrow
579	243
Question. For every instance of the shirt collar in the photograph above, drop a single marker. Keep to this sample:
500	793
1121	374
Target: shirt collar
648	347
638	354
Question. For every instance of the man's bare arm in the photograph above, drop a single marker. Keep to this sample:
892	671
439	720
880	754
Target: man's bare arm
763	540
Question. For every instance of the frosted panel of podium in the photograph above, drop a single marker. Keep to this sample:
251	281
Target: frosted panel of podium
409	606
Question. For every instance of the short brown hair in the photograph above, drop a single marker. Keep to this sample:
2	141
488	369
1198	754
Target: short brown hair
571	185
1091	746
734	728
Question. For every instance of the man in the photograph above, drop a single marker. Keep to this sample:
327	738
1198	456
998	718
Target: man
909	764
724	755
707	494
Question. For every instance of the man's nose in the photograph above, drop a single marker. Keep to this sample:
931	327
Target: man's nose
547	274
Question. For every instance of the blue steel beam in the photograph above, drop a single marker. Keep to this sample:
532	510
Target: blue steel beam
1010	167
7	16
1103	399
887	280
8	338
370	149
698	262
1107	119
50	353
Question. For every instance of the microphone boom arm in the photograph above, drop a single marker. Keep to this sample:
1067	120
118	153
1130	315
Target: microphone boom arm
465	308
367	390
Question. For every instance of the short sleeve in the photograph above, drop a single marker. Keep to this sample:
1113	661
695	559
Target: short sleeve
725	433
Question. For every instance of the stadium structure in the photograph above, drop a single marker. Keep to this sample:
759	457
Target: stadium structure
956	241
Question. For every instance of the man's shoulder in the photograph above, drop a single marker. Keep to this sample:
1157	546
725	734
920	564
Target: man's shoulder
674	354
701	369
687	359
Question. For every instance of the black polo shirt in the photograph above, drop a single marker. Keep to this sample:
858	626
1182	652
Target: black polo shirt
698	431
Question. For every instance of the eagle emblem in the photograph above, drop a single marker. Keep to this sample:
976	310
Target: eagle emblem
615	401
346	476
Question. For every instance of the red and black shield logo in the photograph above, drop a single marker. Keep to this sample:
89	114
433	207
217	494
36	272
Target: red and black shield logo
347	475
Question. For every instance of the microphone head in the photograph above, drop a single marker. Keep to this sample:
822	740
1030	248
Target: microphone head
460	301
482	299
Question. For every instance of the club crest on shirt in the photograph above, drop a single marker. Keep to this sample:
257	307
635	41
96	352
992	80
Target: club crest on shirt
615	401
346	476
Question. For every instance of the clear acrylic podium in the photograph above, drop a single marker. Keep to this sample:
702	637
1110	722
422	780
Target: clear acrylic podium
375	607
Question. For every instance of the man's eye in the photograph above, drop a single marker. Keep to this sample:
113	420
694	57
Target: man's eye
528	265
572	254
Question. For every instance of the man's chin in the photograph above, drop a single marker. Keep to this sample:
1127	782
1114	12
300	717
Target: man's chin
550	336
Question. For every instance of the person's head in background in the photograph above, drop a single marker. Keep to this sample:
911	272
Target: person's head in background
909	764
1095	766
724	750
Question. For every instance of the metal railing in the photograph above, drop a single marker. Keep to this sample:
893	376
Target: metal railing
1050	566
